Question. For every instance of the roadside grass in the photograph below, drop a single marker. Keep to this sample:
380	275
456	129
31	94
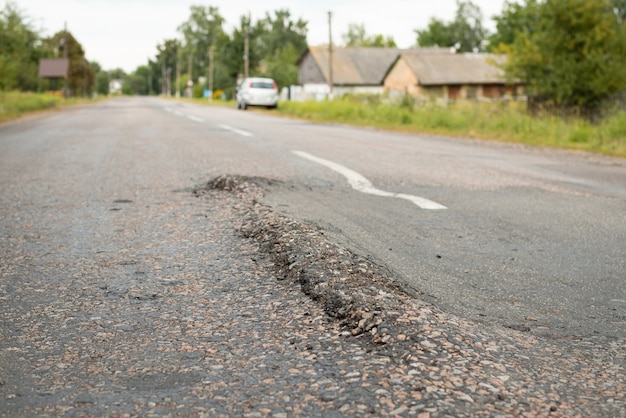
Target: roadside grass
14	104
506	121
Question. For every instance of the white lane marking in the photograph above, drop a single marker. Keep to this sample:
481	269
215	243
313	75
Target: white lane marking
363	185
194	118
177	113
237	131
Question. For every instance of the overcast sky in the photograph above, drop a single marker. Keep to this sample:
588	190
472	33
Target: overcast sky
124	33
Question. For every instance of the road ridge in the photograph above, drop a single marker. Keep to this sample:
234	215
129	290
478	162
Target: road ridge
486	369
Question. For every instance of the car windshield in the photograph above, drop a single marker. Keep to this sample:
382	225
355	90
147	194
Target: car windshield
261	85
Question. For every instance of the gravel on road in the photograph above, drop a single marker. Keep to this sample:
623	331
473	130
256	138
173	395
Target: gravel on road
204	302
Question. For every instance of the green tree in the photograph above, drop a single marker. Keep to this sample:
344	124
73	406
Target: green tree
281	66
20	50
466	32
202	30
102	83
165	65
357	36
80	79
437	33
281	42
137	82
467	27
516	19
619	8
117	74
275	43
574	57
232	52
279	30
101	79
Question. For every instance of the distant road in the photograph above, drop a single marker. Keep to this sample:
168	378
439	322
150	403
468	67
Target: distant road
532	239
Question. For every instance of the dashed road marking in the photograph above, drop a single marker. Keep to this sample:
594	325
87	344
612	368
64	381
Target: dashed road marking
195	118
363	185
235	130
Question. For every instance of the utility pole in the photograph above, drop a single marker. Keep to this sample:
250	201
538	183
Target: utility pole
177	79
65	56
330	54
246	50
85	79
190	66
169	81
163	78
149	78
211	72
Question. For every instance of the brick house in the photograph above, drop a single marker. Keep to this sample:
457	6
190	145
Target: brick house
448	76
355	70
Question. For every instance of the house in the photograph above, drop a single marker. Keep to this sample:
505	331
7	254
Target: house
115	87
449	76
355	70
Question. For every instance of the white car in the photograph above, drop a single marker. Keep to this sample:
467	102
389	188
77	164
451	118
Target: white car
257	92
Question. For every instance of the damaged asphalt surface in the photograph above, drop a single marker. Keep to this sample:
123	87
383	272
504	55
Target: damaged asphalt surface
149	296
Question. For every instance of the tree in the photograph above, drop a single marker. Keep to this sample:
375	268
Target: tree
437	33
465	32
20	50
165	64
574	57
232	52
281	67
102	83
137	82
515	19
275	43
619	8
282	41
81	76
467	28
101	79
279	30
357	36
202	30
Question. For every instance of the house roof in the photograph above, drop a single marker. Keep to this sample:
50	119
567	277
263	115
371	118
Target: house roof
446	69
355	65
53	68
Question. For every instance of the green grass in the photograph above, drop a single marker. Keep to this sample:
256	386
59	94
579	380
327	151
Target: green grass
14	104
497	121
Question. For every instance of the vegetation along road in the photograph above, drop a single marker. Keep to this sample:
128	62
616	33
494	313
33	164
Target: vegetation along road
159	257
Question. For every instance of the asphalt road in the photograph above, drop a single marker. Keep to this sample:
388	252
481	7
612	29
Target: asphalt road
122	293
532	239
